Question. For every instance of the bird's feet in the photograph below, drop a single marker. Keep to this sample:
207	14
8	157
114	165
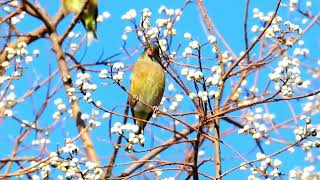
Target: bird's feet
134	99
155	109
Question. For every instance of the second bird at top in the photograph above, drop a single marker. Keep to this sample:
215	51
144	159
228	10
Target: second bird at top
89	16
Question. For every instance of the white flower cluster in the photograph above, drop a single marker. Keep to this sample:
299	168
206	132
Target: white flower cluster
247	100
192	45
191	74
44	170
187	35
54	159
227	59
106	115
306	118
275	31
74	35
307	146
162	22
265	163
171	87
145	21
103	74
172	16
203	95
118	66
300	51
163	46
74	46
302	131
258	130
175	101
41	141
163	100
293	5
312	104
164	109
93	122
83	83
215	78
129	15
288	71
261	16
259	115
308	4
61	108
157	172
201	153
102	17
20	51
274	28
60	105
6	9
135	139
187	51
304	174
293	27
255	28
72	166
15	19
94	171
169	11
16	74
169	31
212	39
26	123
152	32
69	148
133	129
8	101
147	31
119	128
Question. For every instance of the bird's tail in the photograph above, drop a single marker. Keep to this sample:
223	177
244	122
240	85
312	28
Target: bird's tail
141	126
91	35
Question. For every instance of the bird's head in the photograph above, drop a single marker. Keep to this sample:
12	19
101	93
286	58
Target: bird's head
152	51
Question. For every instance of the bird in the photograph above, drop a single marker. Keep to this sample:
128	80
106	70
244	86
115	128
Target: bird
89	16
147	86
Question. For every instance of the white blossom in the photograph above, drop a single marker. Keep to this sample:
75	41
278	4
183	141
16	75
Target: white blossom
131	14
187	35
212	39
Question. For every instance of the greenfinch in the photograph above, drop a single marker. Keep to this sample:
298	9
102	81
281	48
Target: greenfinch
89	16
146	86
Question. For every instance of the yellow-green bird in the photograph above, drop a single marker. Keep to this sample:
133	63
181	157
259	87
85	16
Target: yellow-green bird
147	85
89	16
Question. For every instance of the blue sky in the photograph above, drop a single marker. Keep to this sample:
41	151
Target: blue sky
227	16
